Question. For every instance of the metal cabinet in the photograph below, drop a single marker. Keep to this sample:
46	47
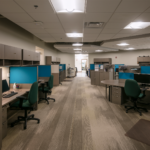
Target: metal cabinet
117	95
1	51
94	77
54	59
28	55
12	53
36	57
105	76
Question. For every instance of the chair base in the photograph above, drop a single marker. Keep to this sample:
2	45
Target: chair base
135	108
26	118
46	99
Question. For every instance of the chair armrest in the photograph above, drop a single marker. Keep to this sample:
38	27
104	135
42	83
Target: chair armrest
144	89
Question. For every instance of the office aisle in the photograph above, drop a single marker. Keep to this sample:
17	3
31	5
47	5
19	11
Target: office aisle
80	119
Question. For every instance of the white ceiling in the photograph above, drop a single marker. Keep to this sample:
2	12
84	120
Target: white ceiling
115	14
139	43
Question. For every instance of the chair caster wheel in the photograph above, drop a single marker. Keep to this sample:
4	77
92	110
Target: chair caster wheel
140	114
12	125
38	121
33	116
126	111
125	106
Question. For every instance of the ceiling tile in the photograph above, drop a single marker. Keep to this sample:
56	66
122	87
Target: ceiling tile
115	25
44	17
105	37
145	17
70	17
110	31
73	25
34	31
93	31
102	5
133	6
97	17
28	5
18	17
9	6
90	35
121	35
73	30
123	17
128	31
60	30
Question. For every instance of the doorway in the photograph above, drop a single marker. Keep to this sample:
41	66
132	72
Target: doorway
84	64
41	51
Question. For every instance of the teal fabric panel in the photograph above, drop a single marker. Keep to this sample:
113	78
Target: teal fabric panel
92	66
145	69
23	75
123	75
117	66
64	66
44	71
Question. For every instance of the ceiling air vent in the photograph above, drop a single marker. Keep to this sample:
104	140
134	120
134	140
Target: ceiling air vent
94	24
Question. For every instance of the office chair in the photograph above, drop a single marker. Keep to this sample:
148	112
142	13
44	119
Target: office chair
47	89
133	90
27	104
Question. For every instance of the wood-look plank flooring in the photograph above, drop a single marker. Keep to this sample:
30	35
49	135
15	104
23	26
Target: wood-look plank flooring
80	119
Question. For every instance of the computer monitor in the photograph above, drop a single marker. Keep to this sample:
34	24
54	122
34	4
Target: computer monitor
5	86
142	78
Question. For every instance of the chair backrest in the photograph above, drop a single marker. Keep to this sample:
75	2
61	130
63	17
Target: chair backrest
132	88
33	94
50	82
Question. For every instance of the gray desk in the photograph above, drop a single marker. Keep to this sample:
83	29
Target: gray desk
116	83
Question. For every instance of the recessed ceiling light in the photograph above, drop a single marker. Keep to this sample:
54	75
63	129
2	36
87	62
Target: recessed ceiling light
75	35
122	44
98	50
77	49
131	48
68	6
77	44
137	25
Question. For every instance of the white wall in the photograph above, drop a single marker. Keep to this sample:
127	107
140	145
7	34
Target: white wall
13	35
5	71
127	58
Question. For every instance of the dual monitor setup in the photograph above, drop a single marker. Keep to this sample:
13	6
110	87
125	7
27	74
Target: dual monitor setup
142	78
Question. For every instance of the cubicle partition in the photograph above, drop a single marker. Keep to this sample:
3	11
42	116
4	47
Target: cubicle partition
60	72
0	108
55	73
145	69
92	67
44	72
24	76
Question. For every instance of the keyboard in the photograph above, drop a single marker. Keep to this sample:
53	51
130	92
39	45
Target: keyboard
9	95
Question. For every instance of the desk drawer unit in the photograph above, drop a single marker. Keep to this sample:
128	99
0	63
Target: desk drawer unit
4	122
117	95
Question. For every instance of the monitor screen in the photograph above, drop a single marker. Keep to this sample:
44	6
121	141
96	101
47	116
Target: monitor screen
142	78
5	86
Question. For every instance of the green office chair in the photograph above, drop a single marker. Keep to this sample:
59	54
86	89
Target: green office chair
47	89
133	90
27	104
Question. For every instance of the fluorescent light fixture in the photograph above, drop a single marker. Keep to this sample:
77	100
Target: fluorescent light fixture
98	50
137	25
68	6
131	48
77	49
77	44
74	35
123	44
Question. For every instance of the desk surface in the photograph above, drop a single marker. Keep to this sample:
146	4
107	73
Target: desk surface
21	92
113	82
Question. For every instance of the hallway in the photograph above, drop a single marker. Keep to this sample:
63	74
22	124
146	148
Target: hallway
80	119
